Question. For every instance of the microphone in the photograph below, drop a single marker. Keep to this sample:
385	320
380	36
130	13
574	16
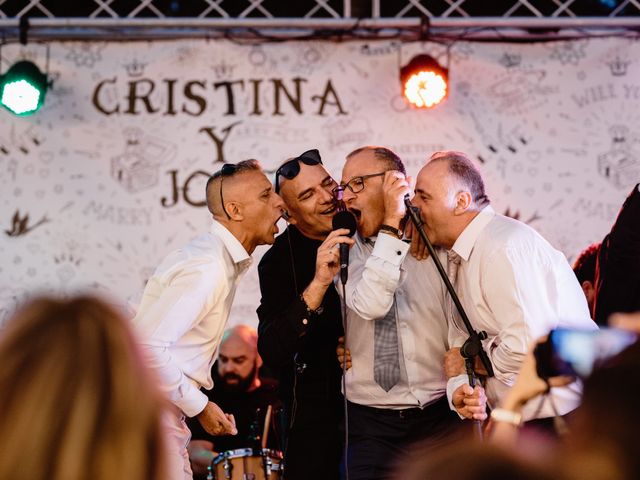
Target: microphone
412	213
344	219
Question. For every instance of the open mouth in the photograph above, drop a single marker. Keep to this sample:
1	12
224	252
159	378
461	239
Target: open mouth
329	211
357	213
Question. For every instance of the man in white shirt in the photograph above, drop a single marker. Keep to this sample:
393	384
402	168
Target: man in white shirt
396	327
511	282
186	303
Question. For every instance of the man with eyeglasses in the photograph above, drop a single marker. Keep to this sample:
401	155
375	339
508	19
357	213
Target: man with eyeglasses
186	303
396	329
300	320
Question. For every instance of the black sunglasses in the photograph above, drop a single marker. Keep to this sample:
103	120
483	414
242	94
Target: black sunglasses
291	168
228	169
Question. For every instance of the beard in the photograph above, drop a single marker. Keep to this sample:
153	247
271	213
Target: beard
242	383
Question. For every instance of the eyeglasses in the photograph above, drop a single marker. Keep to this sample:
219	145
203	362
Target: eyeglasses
227	170
291	168
356	185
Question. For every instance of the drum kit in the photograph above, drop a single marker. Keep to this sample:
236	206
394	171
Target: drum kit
246	464
249	463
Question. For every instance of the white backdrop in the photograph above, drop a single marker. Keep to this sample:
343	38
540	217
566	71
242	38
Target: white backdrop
109	176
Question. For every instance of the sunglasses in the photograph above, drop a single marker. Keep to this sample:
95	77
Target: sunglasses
227	170
291	168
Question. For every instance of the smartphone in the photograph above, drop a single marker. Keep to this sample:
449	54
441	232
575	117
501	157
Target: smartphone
576	352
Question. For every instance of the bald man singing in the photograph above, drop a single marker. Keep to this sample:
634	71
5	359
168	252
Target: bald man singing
186	303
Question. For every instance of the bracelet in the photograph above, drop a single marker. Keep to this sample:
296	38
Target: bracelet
506	416
310	312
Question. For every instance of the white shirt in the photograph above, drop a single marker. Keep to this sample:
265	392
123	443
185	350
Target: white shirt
516	287
375	274
184	310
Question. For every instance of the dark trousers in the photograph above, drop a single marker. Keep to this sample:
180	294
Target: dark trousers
379	437
313	453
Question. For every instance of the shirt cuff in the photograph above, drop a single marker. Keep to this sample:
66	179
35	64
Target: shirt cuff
390	249
301	317
193	401
452	385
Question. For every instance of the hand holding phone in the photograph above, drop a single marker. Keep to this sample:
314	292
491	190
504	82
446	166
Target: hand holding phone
576	352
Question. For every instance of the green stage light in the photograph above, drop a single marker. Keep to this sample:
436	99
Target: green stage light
23	88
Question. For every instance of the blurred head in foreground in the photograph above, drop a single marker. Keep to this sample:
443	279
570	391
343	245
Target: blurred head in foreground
77	401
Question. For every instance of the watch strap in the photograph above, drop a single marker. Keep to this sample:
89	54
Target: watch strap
506	416
392	230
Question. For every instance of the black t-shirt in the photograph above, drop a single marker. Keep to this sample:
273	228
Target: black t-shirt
249	410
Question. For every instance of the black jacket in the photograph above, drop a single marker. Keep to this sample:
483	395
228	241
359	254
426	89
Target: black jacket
286	342
300	349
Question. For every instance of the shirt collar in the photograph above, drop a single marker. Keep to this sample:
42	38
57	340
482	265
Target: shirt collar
231	243
467	239
370	242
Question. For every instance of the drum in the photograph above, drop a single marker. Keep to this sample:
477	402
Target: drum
246	464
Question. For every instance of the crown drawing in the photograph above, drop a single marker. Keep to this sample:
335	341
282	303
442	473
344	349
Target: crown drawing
510	60
619	133
135	68
223	69
618	67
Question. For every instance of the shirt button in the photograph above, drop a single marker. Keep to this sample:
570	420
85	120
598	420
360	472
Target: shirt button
305	321
398	252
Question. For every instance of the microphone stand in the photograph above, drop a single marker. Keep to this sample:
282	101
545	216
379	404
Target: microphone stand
472	347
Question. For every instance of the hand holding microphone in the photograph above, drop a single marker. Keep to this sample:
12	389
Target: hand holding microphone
328	259
344	220
395	187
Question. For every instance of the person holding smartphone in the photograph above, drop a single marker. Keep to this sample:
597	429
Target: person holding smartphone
600	440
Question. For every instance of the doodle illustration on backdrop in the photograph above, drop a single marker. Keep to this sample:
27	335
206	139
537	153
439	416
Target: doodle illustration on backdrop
620	165
137	168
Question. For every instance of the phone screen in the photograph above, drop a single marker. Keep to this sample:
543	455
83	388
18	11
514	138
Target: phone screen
582	349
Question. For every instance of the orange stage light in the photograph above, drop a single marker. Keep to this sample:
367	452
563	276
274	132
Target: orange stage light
424	81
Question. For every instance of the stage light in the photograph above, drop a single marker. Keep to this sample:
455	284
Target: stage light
424	81
23	88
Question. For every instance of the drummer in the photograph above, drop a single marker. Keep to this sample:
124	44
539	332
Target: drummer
239	389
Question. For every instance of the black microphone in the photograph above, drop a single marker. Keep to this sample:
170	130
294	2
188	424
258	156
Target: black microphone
344	219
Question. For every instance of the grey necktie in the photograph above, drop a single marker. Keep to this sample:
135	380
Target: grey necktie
453	262
386	366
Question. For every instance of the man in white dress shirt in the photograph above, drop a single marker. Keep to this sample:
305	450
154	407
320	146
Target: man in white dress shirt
512	283
396	326
186	303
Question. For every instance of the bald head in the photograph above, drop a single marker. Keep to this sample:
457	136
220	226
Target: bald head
238	359
231	176
241	333
389	158
463	172
449	194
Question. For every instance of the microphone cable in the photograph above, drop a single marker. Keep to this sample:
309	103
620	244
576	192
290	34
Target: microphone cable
344	219
344	383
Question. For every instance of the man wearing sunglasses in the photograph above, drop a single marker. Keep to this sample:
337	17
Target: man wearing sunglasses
186	303
396	326
300	320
